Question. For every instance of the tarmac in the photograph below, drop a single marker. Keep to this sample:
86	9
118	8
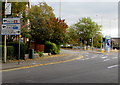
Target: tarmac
44	60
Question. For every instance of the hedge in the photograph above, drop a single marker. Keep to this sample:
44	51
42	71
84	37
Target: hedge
10	52
51	48
16	49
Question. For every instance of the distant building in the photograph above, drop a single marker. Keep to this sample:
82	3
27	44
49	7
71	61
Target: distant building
115	43
117	40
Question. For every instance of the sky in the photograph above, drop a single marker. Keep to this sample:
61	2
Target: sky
103	12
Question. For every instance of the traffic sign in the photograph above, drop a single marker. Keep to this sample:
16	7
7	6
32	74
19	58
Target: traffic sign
7	8
10	26
11	20
10	29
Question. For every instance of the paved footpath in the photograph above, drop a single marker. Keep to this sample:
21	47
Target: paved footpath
63	56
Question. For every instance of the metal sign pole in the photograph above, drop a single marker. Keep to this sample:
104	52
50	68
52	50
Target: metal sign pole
5	50
19	51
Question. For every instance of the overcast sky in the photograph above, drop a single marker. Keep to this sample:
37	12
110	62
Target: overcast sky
103	12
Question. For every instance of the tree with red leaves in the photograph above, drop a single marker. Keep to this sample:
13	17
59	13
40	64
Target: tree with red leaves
45	26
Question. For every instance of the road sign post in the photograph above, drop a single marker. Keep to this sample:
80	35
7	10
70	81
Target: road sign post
10	26
19	50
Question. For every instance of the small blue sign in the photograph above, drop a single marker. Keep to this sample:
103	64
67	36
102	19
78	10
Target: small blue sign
15	28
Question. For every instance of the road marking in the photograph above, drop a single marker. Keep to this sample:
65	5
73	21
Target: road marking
102	55
93	57
113	66
106	59
24	67
114	57
85	58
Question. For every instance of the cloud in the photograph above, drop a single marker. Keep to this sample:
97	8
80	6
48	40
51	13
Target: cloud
97	11
107	12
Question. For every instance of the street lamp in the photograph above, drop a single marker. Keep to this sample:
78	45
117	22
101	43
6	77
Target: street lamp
101	31
60	9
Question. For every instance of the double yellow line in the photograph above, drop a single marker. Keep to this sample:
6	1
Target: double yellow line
24	67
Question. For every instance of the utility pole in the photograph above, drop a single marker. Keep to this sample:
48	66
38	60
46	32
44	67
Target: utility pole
60	9
101	35
101	32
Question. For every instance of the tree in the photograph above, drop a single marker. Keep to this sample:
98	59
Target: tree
87	29
45	26
59	30
39	16
71	36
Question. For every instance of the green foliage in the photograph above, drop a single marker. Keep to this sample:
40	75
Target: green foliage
40	54
44	25
39	15
16	49
71	35
85	28
25	33
51	48
10	52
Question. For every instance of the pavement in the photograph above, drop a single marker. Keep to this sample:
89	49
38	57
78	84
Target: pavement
44	60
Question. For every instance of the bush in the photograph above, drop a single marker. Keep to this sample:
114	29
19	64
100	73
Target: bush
16	49
10	52
40	54
51	48
98	46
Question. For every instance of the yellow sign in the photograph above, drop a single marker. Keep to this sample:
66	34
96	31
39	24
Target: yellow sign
20	35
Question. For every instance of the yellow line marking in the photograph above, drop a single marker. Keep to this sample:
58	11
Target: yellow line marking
24	67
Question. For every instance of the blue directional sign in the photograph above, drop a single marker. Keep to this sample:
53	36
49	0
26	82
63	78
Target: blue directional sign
10	26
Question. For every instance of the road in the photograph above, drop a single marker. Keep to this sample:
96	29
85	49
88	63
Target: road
92	68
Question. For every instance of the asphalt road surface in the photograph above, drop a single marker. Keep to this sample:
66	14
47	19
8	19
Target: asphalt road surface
93	68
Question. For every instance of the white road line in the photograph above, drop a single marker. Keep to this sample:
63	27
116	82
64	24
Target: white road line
104	57
113	66
106	60
93	57
114	57
85	59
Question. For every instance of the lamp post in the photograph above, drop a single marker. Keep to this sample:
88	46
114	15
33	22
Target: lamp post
60	9
101	32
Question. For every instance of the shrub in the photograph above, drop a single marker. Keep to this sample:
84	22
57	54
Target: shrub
51	48
10	52
40	54
16	49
